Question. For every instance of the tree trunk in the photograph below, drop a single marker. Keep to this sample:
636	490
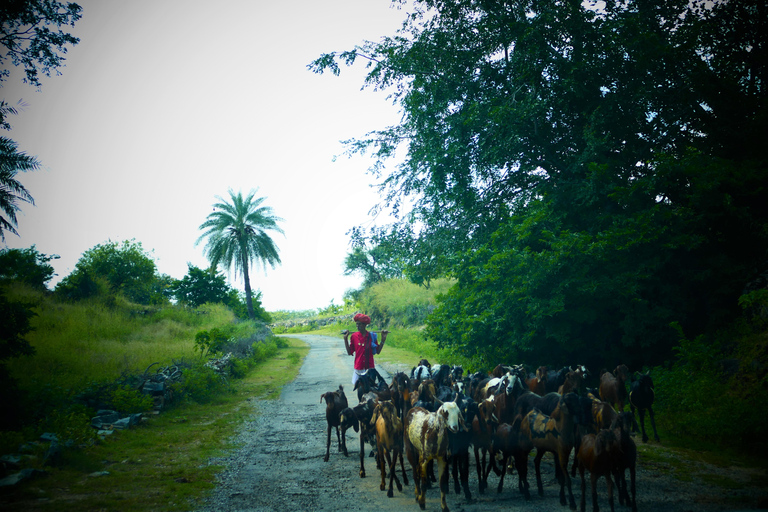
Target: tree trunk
248	296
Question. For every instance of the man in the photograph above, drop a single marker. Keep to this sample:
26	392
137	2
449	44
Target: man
363	345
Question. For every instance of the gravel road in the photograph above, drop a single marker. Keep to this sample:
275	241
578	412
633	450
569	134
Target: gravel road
280	467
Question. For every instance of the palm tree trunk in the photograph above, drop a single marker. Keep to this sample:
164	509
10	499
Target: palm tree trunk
248	295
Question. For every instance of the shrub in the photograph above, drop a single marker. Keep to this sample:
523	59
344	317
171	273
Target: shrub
199	384
129	400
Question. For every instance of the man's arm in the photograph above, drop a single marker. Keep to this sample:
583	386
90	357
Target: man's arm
346	342
383	339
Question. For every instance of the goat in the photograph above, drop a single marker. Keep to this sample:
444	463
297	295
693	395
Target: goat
456	376
459	443
509	441
556	434
641	396
335	402
538	383
482	437
603	413
401	393
529	401
621	428
441	373
613	387
574	382
425	439
372	381
389	440
599	454
421	372
359	418
555	378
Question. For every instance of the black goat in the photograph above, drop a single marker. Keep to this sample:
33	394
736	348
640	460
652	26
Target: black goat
335	403
641	396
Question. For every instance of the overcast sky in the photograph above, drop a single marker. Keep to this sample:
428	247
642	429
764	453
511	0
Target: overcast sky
164	105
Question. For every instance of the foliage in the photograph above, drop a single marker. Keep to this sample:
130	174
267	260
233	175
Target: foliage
201	286
398	302
12	161
71	424
375	263
685	404
129	400
26	265
237	236
200	384
16	324
211	342
125	267
33	37
578	167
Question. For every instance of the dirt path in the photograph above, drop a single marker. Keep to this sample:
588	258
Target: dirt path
280	465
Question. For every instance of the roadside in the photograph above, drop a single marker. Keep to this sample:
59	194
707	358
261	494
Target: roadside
279	464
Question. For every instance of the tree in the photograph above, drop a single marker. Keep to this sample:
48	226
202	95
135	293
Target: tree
124	267
32	36
201	286
589	172
237	236
26	265
11	190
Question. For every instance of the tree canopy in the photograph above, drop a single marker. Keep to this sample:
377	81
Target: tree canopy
123	267
589	172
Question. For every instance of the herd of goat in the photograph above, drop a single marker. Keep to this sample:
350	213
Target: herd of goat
438	413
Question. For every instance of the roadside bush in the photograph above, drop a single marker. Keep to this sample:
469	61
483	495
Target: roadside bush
70	424
199	384
264	350
129	400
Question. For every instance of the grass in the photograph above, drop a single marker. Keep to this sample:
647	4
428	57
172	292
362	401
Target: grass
166	457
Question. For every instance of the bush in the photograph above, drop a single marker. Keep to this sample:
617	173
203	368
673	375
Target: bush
129	400
199	384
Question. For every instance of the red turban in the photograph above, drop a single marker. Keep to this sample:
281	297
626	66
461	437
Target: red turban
361	318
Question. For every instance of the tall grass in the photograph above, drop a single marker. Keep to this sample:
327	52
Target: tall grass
80	343
400	303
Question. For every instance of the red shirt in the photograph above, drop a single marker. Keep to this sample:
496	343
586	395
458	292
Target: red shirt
361	346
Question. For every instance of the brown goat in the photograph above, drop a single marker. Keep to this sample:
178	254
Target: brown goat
389	442
510	442
621	427
538	384
556	434
603	413
482	435
598	454
335	402
574	383
613	387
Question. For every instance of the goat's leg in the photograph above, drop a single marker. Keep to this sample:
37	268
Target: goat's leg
342	447
537	466
454	464
632	487
504	461
621	486
480	465
328	445
653	424
392	476
583	506
442	468
383	468
563	461
610	490
593	483
521	464
422	498
464	474
402	466
362	455
642	423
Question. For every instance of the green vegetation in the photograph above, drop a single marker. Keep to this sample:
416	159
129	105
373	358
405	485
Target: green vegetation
167	456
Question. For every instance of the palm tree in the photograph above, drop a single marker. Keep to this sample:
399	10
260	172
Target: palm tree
237	237
11	190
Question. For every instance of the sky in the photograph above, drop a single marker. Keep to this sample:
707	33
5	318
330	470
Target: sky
164	105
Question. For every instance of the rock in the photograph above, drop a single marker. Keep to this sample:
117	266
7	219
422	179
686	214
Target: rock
10	461
98	473
21	476
49	437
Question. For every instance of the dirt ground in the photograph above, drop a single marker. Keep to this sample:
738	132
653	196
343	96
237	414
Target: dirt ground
280	464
